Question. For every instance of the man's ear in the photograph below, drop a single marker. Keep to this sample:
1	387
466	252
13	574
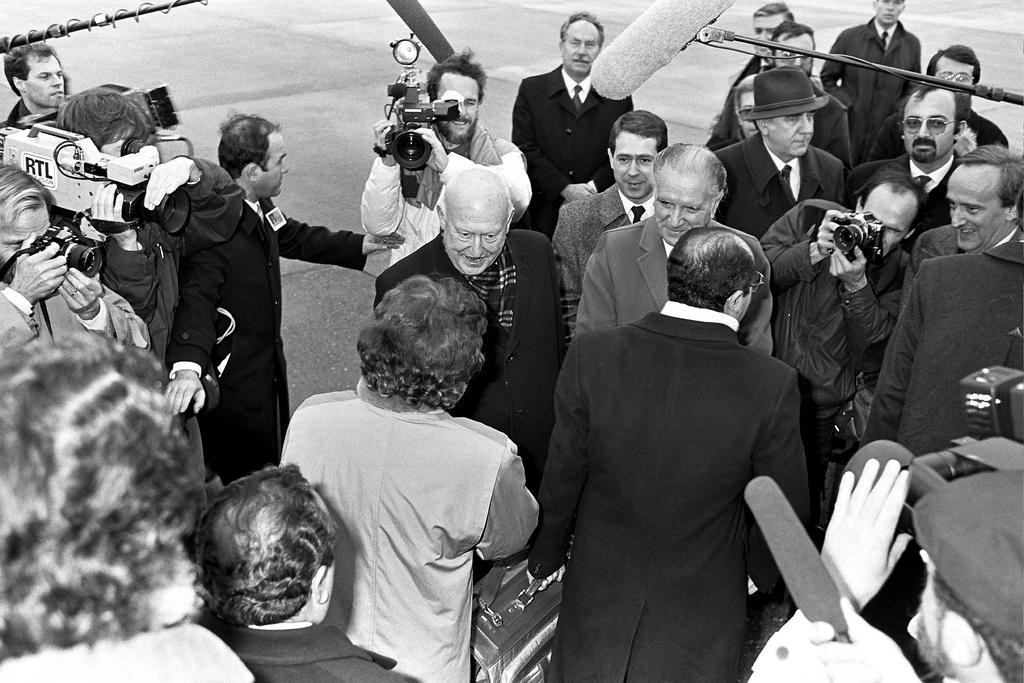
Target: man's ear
734	304
323	581
611	158
251	171
18	83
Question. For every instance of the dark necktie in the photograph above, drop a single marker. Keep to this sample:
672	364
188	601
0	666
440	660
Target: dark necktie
638	213
885	40
787	189
922	181
576	101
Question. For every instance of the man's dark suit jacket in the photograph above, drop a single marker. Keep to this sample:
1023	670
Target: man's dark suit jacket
316	654
243	276
580	224
659	426
933	214
964	313
561	146
514	391
755	198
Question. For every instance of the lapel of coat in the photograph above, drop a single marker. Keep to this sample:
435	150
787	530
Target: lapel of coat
762	169
524	280
556	91
610	209
652	260
810	175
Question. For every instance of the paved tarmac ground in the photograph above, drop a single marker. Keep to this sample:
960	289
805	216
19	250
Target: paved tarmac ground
321	69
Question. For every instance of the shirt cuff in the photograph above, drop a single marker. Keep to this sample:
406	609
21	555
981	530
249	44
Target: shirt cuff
186	365
20	302
99	323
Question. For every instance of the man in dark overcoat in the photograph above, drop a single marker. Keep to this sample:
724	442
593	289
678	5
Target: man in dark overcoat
514	273
561	123
242	276
660	424
770	172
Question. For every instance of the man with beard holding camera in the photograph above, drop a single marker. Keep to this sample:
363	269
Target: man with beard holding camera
409	223
932	121
29	309
835	311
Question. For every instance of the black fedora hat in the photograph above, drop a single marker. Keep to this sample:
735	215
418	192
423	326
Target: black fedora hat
783	91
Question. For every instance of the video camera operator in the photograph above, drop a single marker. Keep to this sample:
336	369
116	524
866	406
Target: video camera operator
37	262
837	278
142	256
454	146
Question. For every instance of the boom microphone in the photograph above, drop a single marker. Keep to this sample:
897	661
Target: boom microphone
650	42
807	579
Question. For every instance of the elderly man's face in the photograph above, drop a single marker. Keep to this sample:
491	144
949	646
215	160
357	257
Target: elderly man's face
683	200
788	137
887	12
473	239
580	48
975	211
29	224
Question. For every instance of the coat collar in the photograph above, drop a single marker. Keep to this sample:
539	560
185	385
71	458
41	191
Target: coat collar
763	170
609	205
1012	251
555	89
652	260
687	329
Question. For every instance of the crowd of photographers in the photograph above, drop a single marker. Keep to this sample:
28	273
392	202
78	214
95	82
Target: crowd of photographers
142	372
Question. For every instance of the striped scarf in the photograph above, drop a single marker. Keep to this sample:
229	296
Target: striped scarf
497	287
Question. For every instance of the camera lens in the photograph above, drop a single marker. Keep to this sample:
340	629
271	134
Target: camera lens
847	237
86	259
409	150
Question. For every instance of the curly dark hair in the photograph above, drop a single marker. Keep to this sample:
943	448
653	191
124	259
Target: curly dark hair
424	344
244	140
460	64
259	545
94	500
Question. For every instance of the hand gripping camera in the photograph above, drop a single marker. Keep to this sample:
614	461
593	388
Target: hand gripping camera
78	251
412	105
74	170
860	230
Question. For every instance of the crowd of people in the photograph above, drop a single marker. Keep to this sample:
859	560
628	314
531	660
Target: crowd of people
588	340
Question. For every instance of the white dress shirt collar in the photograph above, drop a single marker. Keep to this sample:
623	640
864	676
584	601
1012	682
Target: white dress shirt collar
935	177
675	309
628	204
570	85
794	169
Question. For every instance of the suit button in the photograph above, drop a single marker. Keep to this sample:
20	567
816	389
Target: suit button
511	357
572	174
568	131
185	336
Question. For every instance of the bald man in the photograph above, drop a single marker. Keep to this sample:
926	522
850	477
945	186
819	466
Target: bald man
514	274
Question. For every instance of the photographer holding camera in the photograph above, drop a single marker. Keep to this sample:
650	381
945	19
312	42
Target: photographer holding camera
454	146
837	279
142	255
32	276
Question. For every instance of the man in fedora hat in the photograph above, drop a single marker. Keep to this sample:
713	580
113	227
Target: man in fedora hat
770	172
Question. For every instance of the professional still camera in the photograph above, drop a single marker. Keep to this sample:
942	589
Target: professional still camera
411	104
860	230
77	250
71	167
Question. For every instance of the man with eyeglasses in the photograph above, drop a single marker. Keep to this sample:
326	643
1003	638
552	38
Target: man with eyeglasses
933	120
870	95
955	63
561	124
635	140
835	310
625	277
514	274
661	423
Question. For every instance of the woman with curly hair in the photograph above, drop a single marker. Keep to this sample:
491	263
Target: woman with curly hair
415	489
95	502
